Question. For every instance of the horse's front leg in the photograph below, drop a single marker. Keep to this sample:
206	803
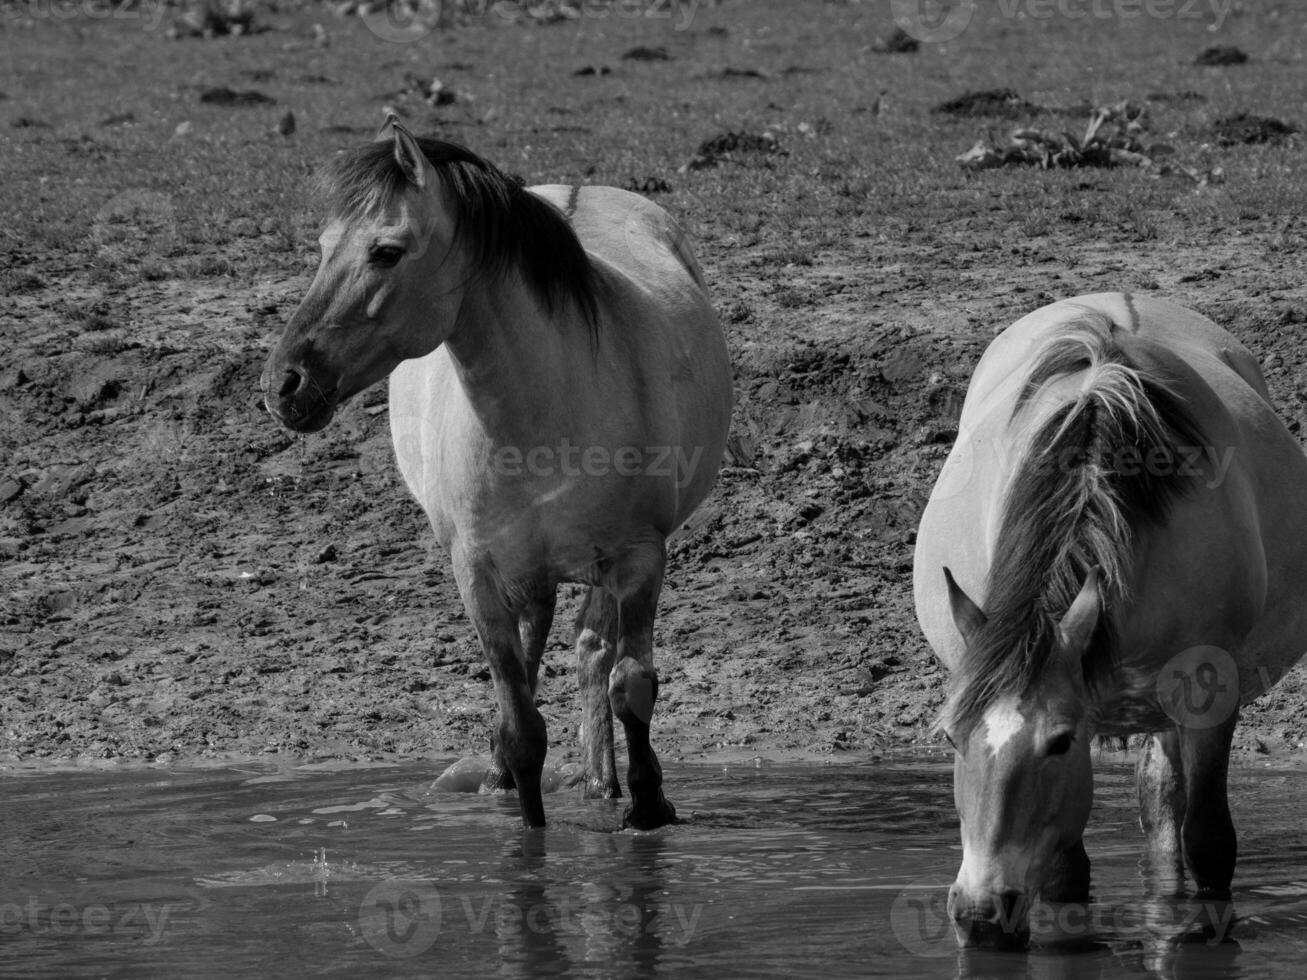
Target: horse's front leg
533	623
1162	804
1207	834
596	652
633	684
521	739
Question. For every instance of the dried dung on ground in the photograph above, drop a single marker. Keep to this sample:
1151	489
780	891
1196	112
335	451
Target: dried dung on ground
1117	135
731	147
1001	102
228	97
1176	98
643	53
1221	54
900	42
1244	128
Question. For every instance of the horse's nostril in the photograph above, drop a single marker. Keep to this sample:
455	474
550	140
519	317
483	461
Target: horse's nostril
291	383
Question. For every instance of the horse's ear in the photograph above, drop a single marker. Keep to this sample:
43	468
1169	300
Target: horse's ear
967	616
1077	627
408	154
389	118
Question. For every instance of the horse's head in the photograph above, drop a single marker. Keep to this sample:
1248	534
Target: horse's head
1023	785
386	287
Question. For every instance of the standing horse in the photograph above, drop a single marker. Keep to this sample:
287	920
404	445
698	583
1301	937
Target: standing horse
560	395
1116	544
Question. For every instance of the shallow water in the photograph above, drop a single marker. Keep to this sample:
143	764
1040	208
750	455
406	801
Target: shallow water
779	871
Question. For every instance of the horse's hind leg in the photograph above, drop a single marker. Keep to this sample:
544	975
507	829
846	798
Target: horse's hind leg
633	685
1160	775
596	650
533	624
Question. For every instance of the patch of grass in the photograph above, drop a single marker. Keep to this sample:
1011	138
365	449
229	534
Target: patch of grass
241	202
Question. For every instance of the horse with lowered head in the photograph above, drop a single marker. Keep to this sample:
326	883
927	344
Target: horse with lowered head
560	395
1117	544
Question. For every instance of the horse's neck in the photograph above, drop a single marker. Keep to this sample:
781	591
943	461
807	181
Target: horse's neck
514	365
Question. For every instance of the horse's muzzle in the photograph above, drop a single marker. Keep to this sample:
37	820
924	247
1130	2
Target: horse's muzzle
1000	921
298	403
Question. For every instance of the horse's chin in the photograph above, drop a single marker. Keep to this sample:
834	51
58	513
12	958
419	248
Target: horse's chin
301	418
991	936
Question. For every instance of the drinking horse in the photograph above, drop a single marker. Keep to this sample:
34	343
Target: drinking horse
1117	544
560	395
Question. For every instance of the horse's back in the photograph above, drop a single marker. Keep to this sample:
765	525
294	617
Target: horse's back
628	232
1136	323
658	323
1253	467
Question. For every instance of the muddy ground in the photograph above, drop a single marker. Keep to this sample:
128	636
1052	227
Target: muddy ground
180	580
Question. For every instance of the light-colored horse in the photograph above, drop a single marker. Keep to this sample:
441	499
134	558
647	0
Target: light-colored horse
1117	543
560	395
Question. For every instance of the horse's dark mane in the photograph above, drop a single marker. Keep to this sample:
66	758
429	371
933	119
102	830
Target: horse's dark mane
1070	509
502	225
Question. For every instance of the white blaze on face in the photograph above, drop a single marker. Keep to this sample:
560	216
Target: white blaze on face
1002	721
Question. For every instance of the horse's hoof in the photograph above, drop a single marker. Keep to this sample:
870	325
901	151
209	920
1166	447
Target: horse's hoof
497	781
597	789
649	817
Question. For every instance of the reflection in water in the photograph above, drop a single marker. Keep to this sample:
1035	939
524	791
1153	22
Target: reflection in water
776	872
530	925
614	919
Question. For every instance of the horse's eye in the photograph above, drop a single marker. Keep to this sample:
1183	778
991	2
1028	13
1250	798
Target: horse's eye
385	256
1061	744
